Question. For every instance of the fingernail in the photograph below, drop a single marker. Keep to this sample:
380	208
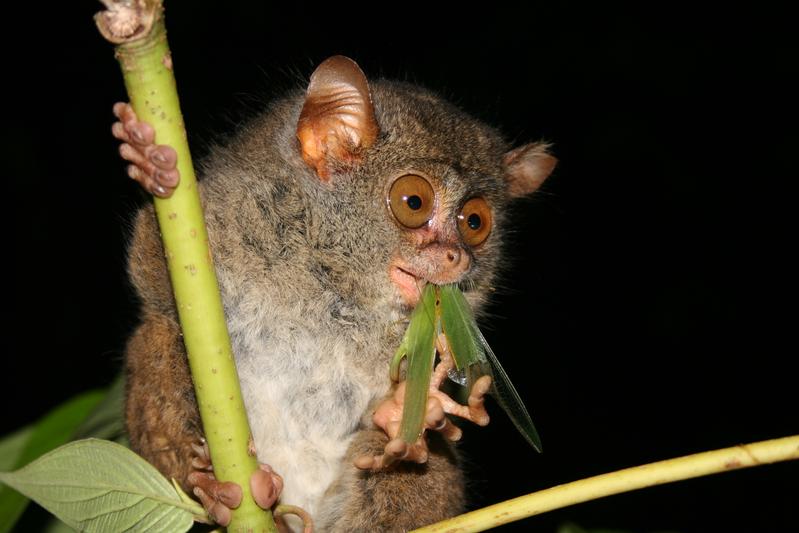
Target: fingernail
159	189
138	136
158	157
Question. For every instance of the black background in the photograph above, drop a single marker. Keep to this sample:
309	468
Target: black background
650	311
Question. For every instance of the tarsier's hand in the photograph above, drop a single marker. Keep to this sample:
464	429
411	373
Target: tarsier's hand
220	497
153	166
388	416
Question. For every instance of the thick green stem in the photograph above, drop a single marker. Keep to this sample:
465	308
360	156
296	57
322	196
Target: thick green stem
144	56
592	488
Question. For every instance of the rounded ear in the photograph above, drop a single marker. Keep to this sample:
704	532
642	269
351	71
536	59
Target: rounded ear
526	168
337	122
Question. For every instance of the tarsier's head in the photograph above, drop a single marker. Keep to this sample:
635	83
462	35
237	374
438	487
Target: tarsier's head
429	182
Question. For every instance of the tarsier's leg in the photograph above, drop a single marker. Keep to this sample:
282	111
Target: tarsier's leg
388	415
164	425
160	410
153	166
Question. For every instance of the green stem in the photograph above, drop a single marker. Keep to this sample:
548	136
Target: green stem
593	488
137	28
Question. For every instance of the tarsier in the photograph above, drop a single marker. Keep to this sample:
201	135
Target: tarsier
327	215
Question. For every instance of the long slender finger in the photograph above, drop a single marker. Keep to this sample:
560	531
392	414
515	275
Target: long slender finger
477	410
451	406
123	111
162	156
437	420
395	450
445	362
158	182
202	458
129	128
157	162
119	132
402	451
140	133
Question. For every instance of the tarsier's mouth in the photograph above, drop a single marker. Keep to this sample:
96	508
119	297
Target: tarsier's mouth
410	285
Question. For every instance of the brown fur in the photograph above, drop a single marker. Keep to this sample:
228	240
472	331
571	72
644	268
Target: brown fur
404	497
302	264
161	412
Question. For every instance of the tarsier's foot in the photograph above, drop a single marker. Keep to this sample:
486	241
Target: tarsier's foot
388	416
219	497
153	166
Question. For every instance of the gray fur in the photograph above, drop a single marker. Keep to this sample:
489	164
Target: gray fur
303	264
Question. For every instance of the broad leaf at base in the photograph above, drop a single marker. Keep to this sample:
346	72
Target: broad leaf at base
97	485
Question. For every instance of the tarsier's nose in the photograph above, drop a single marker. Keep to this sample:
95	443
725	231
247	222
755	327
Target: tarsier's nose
446	263
454	256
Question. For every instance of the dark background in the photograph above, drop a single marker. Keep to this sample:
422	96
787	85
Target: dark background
650	311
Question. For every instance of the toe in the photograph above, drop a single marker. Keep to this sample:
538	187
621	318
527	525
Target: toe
162	156
122	110
434	417
223	492
140	132
219	513
266	486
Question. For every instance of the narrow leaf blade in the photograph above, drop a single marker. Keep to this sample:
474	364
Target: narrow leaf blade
421	337
12	446
106	420
472	353
460	328
97	485
506	396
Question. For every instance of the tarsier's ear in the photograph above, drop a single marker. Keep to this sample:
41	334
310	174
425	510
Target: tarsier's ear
337	122
526	168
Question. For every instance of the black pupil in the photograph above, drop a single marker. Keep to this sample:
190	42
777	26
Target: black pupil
474	221
414	202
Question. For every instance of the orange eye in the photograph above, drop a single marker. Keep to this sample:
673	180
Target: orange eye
411	201
474	221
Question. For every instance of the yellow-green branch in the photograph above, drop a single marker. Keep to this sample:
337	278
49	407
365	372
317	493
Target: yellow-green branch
593	488
137	28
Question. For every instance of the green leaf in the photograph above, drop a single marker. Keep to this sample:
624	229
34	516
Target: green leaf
477	358
97	485
12	504
106	420
12	446
57	526
460	328
51	431
420	340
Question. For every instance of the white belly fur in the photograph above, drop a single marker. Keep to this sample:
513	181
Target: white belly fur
304	402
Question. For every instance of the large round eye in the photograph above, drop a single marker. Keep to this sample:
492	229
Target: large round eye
474	221
411	200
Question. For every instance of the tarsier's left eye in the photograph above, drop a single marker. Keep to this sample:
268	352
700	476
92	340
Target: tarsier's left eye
474	221
411	200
